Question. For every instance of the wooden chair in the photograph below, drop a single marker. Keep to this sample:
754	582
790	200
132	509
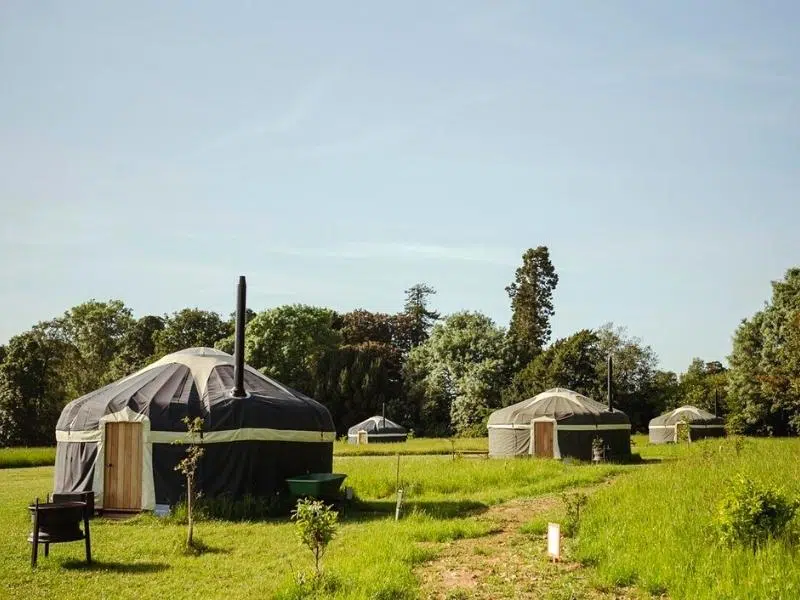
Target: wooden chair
58	522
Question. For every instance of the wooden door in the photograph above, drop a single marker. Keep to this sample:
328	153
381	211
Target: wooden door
543	439
123	468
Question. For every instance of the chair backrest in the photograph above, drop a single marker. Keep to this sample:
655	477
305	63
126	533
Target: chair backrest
87	497
60	514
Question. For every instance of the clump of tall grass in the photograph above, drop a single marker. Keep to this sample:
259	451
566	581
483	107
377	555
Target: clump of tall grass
656	528
11	458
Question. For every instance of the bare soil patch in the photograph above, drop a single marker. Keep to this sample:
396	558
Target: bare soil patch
510	563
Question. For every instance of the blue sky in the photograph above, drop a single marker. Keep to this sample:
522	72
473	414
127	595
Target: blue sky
337	153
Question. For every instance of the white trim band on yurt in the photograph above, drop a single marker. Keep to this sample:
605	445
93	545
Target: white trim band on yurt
378	435
691	425
602	427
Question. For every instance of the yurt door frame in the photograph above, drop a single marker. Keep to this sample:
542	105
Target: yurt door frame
543	434
123	466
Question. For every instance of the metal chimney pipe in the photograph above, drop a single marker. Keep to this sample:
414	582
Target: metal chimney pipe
238	348
610	383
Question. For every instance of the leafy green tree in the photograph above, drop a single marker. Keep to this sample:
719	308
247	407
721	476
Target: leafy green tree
355	380
666	390
95	330
461	367
703	385
413	325
249	315
764	376
531	295
32	390
288	341
426	395
635	367
361	326
190	328
137	347
570	363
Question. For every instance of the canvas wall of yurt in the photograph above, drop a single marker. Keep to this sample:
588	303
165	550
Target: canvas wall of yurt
124	440
699	424
376	430
558	423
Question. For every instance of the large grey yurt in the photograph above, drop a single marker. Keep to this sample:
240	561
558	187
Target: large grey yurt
376	430
701	424
558	423
119	441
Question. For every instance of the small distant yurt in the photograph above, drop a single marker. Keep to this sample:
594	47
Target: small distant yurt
701	424
124	440
558	423
376	430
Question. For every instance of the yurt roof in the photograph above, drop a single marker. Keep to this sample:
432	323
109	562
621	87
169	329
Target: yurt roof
691	414
377	423
559	404
198	381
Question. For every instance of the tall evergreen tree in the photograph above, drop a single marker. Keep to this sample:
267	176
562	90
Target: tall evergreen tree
413	325
531	296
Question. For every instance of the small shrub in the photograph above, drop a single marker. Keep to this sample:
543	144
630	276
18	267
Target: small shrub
750	514
316	527
573	502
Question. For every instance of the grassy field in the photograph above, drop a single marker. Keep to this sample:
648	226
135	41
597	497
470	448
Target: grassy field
373	557
654	527
647	532
421	446
26	457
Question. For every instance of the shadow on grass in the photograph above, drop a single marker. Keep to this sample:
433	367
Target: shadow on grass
142	568
199	548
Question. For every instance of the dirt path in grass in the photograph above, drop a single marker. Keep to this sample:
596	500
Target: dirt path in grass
510	563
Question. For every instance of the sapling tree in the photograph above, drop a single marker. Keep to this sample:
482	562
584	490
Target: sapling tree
316	527
573	503
188	467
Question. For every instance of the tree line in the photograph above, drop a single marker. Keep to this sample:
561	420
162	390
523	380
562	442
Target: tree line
438	375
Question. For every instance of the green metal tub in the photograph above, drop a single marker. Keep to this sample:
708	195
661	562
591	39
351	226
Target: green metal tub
316	485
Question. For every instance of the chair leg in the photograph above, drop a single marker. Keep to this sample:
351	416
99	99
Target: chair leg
46	550
88	540
35	548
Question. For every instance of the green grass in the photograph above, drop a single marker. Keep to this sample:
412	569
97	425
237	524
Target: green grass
656	452
423	446
27	457
372	557
654	527
446	485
